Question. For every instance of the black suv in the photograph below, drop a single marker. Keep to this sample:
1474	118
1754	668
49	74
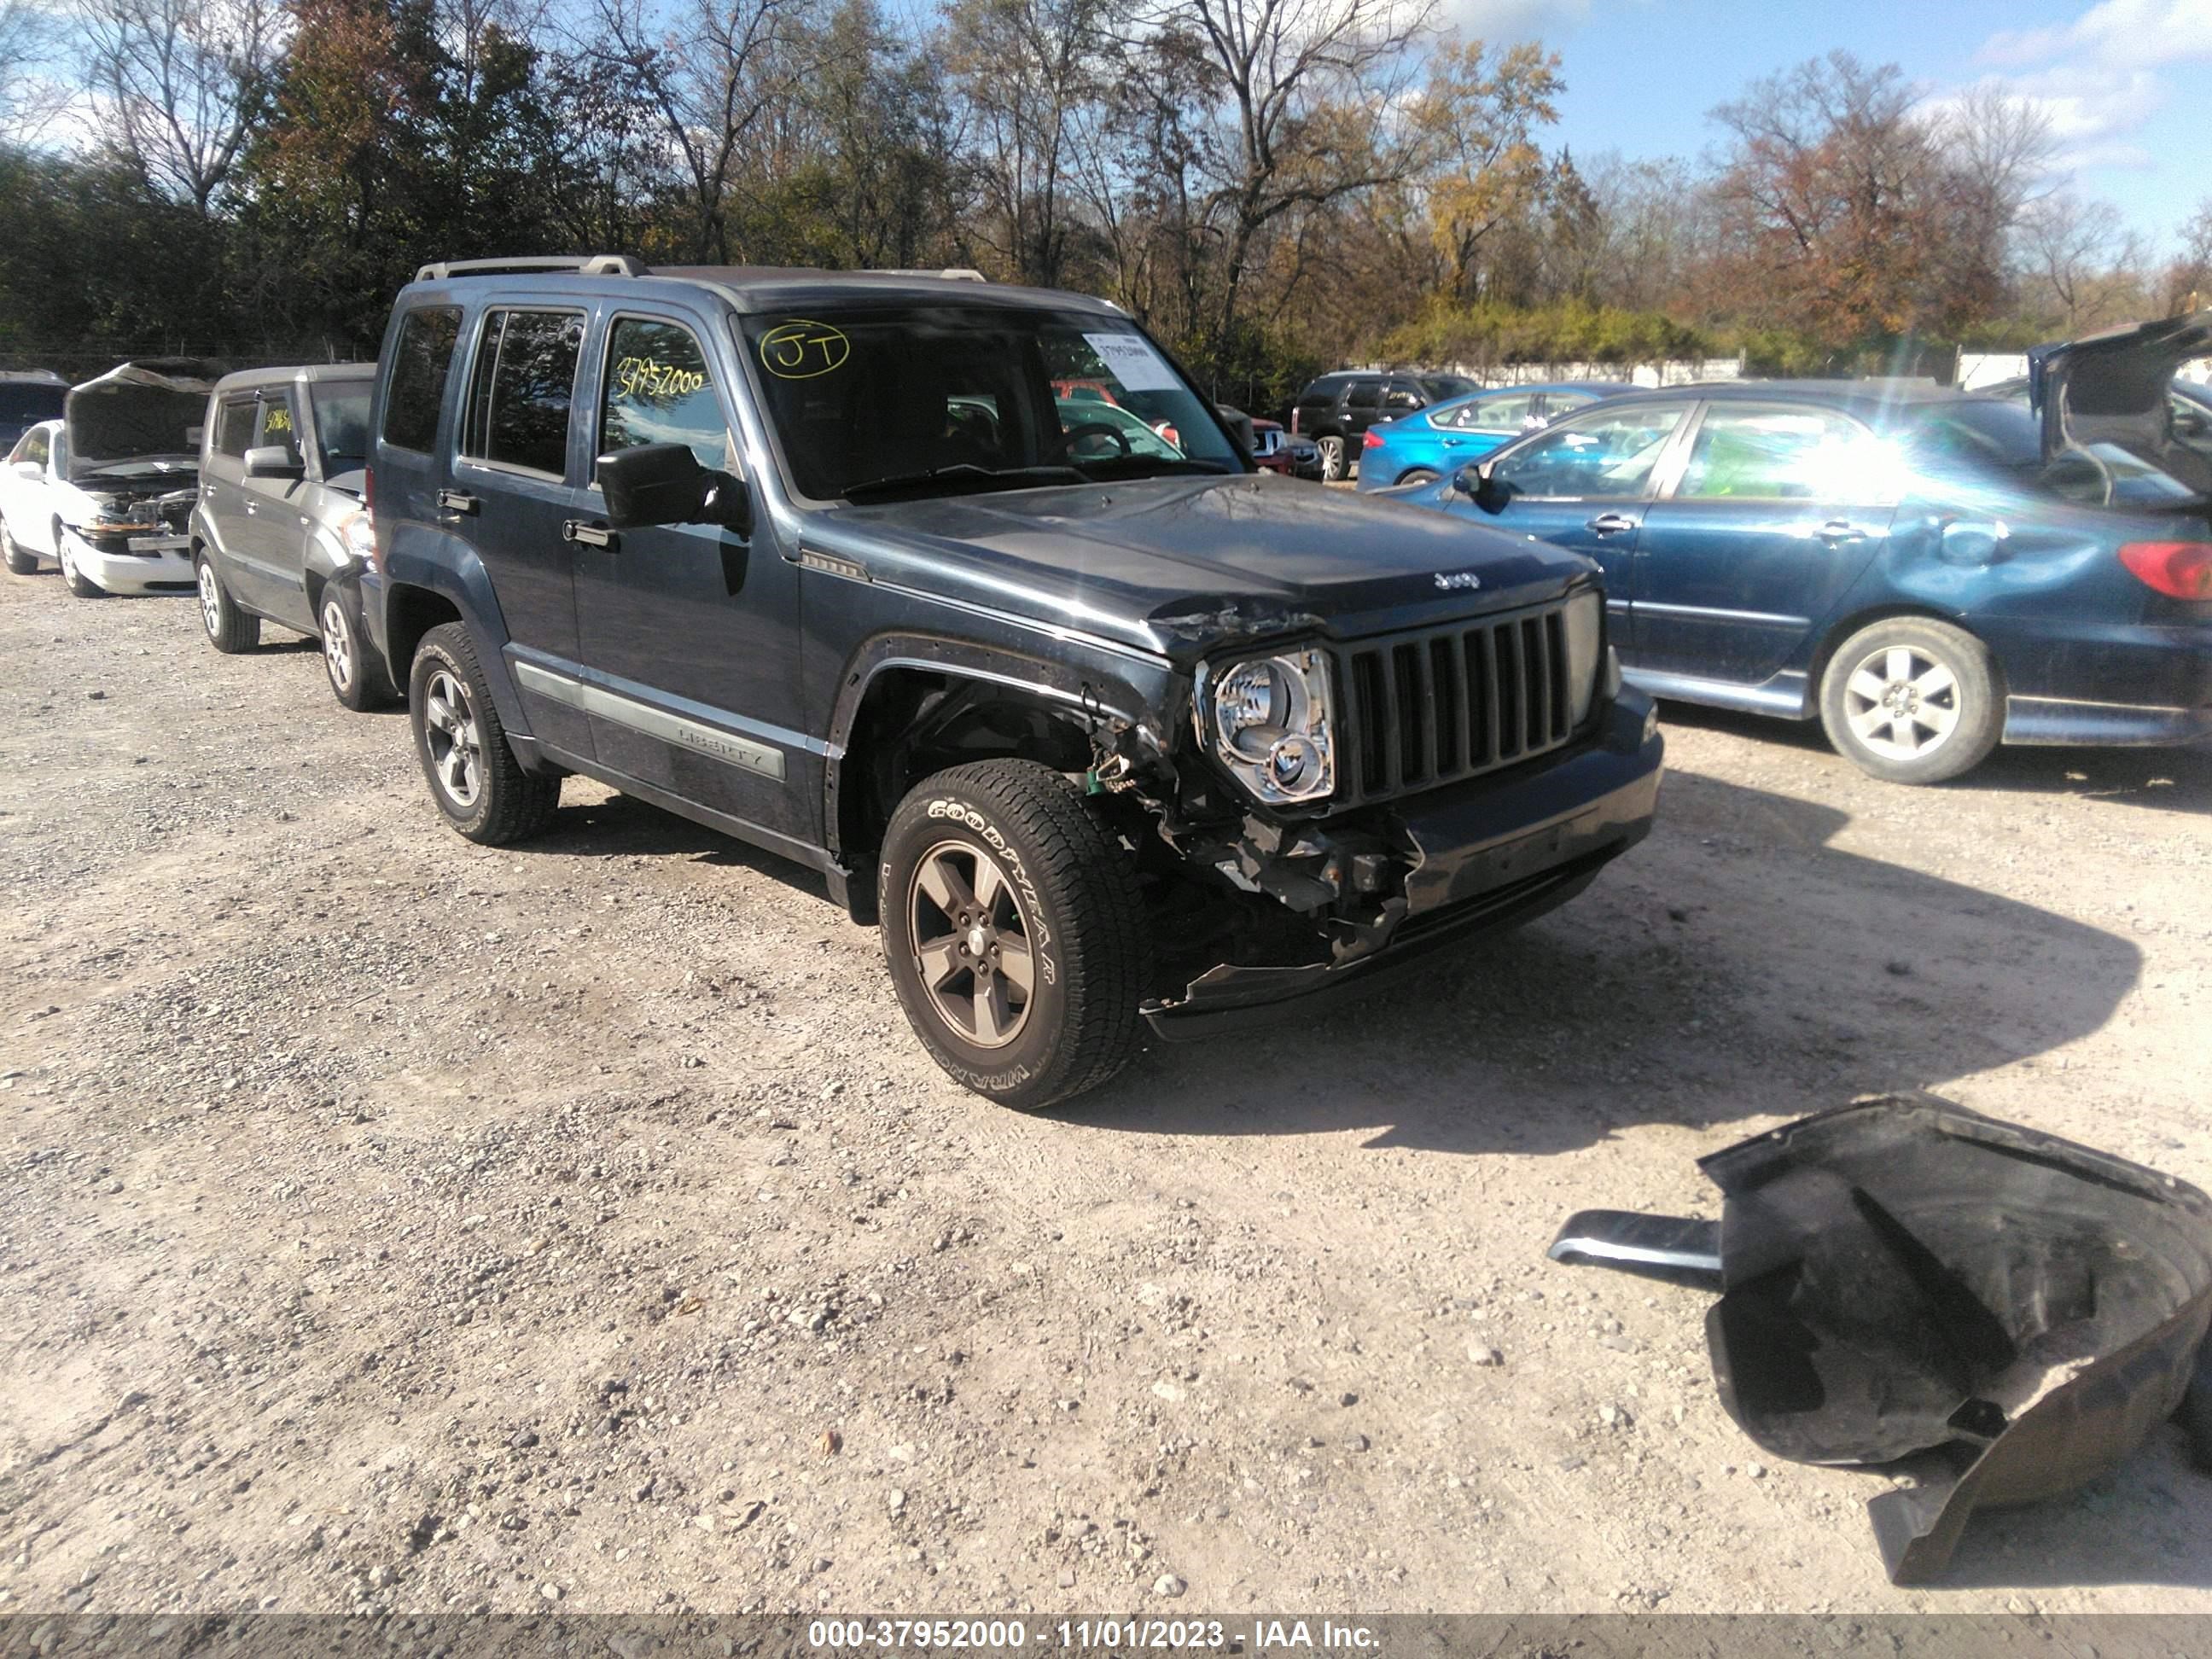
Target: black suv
1103	729
1336	409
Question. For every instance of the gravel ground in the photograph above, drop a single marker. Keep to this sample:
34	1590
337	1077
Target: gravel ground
391	1223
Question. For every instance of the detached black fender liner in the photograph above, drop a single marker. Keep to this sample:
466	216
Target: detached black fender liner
1993	1314
1491	853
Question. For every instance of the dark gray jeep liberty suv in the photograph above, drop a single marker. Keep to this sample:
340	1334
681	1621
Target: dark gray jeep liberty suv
1104	729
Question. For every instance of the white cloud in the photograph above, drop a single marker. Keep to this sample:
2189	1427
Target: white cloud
2116	34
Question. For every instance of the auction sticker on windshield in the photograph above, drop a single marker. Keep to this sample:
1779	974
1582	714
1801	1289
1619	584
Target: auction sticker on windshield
1130	360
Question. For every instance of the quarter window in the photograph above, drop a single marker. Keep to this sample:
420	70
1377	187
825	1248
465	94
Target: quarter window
420	365
234	429
1609	454
658	390
1774	454
526	376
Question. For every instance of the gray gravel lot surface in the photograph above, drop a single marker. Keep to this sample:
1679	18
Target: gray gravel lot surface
387	1222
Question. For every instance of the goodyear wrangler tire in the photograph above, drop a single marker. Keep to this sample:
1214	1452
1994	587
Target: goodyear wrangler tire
1013	932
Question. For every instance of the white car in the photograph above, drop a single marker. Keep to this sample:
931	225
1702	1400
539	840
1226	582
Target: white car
106	491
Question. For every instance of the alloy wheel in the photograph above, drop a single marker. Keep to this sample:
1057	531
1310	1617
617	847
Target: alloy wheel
338	644
971	944
1902	703
450	732
210	600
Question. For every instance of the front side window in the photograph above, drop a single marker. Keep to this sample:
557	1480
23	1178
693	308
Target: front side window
233	430
340	423
953	397
1774	454
660	390
278	428
1611	454
525	379
421	362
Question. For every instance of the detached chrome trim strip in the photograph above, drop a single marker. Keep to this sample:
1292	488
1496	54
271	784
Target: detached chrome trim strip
2092	702
727	746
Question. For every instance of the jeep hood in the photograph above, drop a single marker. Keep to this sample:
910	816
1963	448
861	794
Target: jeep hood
2112	388
1179	565
137	411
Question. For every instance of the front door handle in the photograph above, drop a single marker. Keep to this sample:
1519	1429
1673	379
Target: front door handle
1839	530
1611	524
454	501
590	535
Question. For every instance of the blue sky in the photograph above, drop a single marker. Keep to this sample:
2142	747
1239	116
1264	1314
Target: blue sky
2127	82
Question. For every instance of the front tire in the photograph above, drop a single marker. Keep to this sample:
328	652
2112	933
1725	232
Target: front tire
1332	458
473	775
79	584
229	629
20	560
357	679
1013	932
1910	700
1418	475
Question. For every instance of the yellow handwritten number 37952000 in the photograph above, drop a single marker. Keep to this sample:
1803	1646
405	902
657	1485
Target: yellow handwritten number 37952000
801	348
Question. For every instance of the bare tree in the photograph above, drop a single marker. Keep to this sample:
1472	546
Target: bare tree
2078	262
171	83
712	78
2189	279
29	97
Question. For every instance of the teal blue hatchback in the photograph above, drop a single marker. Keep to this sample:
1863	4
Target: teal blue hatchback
1433	441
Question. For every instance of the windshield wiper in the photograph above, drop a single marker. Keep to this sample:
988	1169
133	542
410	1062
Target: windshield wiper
1008	477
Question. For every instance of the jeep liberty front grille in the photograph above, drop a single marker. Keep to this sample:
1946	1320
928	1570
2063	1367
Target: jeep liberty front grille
1434	706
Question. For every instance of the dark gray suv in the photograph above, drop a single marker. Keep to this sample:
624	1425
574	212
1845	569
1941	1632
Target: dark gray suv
280	533
1105	735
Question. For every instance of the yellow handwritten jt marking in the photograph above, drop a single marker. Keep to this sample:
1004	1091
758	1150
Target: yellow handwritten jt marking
801	350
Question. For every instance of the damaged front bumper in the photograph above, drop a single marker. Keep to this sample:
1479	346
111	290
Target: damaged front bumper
1489	854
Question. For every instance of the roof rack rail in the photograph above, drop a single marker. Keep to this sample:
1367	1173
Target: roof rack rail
591	264
948	273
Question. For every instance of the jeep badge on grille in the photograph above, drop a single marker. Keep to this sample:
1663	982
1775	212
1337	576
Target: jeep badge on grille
1451	579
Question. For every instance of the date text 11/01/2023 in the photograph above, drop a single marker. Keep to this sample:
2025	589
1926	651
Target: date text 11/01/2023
1249	1636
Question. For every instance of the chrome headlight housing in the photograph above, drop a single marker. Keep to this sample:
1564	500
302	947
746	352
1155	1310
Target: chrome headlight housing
1586	652
1272	722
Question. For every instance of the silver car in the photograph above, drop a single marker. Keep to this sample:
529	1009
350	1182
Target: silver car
280	532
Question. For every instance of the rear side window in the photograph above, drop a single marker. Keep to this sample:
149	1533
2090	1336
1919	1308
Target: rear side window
659	390
420	363
518	400
234	432
1365	394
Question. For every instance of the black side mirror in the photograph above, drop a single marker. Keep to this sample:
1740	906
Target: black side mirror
1473	481
664	483
273	461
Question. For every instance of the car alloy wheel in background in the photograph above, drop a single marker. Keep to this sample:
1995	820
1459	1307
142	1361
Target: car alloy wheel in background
20	559
79	584
1911	700
1332	458
229	628
339	654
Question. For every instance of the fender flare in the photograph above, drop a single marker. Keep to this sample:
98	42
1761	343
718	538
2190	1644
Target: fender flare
467	586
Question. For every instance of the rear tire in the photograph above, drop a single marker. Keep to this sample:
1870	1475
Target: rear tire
358	678
472	772
999	862
1418	475
79	584
1332	458
229	629
1910	700
20	560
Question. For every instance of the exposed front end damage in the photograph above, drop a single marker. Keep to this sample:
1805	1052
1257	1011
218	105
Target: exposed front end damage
1258	909
1994	1314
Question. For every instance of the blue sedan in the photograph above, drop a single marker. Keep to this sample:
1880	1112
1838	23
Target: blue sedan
1929	574
1416	447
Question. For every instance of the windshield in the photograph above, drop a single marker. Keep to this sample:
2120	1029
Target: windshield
952	399
340	423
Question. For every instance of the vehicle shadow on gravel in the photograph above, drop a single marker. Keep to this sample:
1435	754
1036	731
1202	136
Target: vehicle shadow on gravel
622	826
2163	780
1735	966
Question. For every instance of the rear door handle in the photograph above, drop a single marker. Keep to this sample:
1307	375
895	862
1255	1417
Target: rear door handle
454	501
590	535
1611	524
1840	530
